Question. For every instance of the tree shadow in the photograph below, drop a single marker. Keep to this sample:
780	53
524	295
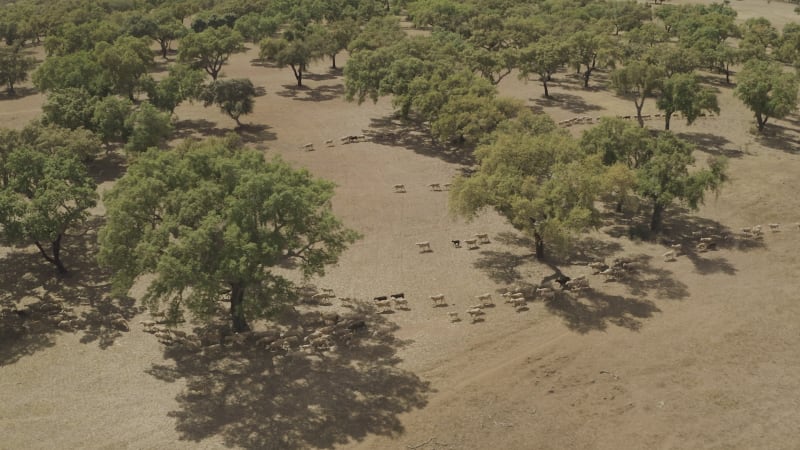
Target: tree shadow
307	94
330	75
255	133
107	167
37	304
712	144
569	102
594	310
187	128
682	228
779	137
590	309
590	249
288	399
686	230
19	93
717	80
501	267
392	131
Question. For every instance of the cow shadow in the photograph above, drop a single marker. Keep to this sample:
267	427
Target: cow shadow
255	398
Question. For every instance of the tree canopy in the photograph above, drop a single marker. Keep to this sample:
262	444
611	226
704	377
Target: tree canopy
210	48
683	93
210	220
767	90
637	80
14	67
297	48
234	97
539	181
44	191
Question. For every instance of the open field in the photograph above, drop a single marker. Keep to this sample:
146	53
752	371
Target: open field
697	353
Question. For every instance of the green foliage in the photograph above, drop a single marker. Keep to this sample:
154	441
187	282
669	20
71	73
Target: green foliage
683	93
234	97
44	191
14	67
69	108
72	38
76	70
758	35
167	28
637	80
336	36
665	176
377	33
655	168
212	217
626	15
148	127
210	49
540	182
255	27
109	117
767	90
125	62
788	47
673	59
183	83
79	143
296	49
543	58
617	141
447	15
591	49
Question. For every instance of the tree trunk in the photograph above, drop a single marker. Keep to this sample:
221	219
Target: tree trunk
11	91
333	61
164	48
586	76
639	112
667	117
298	74
56	258
237	309
539	244
655	221
727	74
546	92
760	122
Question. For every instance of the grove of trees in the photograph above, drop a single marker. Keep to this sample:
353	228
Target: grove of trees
176	206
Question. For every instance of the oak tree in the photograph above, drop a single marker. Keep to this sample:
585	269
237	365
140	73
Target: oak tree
210	221
765	88
210	49
44	192
683	93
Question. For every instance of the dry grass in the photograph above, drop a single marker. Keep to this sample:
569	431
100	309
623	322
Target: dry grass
700	352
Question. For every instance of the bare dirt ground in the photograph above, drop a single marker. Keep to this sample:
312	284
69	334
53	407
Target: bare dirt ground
697	353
